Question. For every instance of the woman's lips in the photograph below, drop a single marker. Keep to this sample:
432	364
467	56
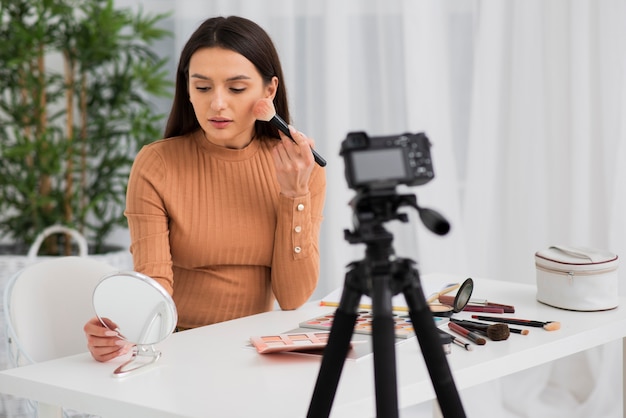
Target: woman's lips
220	123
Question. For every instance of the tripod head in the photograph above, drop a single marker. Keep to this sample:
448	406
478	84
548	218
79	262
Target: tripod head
373	207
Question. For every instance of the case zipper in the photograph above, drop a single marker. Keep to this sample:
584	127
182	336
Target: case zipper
576	273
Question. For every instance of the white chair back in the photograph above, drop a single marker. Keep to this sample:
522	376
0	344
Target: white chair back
46	306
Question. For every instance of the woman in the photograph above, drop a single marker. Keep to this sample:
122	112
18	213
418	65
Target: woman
225	212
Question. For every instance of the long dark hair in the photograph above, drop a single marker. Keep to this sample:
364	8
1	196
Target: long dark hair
244	37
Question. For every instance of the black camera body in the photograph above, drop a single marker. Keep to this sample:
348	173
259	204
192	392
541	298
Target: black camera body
375	163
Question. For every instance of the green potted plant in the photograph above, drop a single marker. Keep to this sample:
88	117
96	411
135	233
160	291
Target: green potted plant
78	81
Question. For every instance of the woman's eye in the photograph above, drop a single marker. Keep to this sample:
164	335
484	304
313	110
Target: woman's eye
202	88
237	90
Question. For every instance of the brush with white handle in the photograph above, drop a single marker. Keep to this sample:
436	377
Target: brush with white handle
264	110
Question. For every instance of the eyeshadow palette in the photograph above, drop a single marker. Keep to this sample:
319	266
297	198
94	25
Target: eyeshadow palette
303	341
402	323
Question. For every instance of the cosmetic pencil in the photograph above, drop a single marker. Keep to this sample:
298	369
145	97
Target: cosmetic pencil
547	325
470	335
364	306
264	110
449	300
505	308
483	309
449	288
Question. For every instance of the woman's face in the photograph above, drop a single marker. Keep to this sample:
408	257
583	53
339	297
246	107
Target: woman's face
223	88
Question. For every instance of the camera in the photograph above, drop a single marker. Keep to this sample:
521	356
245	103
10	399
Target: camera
375	163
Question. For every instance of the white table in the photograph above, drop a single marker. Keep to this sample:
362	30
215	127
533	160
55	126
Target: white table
210	371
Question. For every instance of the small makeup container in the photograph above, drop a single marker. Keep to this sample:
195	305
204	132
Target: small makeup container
577	278
459	302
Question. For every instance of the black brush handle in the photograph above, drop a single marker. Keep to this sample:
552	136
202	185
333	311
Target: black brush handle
470	324
512	321
282	125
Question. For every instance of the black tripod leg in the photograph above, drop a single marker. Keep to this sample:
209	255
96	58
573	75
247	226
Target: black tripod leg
383	337
432	351
335	353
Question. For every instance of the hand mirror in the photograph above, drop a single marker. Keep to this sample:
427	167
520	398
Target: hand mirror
140	310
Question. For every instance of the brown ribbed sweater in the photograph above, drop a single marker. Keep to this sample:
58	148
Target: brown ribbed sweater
210	225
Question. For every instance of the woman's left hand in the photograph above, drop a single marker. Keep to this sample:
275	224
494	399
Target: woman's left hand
294	163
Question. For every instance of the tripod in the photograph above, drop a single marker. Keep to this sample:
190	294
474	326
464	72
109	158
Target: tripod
381	276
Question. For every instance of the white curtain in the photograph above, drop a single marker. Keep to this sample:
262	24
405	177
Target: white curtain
523	101
546	151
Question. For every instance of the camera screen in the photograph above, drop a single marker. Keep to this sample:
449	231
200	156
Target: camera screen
380	164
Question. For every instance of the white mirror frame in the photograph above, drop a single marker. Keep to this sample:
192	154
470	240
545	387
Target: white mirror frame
145	314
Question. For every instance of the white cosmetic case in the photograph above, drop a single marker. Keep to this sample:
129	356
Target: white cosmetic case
577	278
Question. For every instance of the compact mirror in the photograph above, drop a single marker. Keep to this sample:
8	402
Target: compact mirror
447	306
140	310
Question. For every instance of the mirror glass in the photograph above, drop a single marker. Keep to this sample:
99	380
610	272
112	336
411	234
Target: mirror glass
142	311
463	295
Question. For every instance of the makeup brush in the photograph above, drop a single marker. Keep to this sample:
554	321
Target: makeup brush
470	335
264	110
548	326
457	341
519	331
495	332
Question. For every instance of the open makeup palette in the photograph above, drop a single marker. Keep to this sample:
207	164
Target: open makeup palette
302	341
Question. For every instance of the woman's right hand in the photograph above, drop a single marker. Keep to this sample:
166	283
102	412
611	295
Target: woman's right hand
104	343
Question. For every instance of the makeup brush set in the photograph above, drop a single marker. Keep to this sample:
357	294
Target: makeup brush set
499	330
443	304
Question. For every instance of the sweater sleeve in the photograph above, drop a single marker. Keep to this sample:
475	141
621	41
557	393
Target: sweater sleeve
147	218
296	257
